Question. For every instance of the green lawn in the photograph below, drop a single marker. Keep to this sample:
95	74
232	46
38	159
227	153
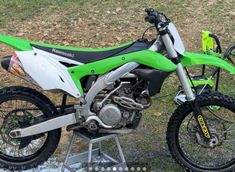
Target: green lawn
103	23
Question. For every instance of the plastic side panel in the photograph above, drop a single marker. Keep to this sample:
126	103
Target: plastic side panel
190	59
47	72
145	57
56	57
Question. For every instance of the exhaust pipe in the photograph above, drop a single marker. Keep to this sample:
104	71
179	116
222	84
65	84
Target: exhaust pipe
13	65
5	63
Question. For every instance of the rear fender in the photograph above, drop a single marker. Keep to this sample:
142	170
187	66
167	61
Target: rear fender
191	59
16	43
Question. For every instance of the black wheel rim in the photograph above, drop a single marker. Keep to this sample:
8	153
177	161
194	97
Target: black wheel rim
187	155
15	104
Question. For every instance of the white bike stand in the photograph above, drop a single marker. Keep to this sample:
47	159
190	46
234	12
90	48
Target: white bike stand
93	159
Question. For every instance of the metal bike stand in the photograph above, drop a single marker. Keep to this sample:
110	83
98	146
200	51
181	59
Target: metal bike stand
94	159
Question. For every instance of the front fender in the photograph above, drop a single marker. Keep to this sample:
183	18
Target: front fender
190	59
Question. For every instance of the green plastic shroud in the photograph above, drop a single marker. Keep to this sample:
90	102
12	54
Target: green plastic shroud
145	57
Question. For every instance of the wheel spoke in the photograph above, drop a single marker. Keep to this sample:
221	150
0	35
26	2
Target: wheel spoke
229	130
200	152
14	113
231	140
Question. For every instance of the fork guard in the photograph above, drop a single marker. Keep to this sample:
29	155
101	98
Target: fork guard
191	59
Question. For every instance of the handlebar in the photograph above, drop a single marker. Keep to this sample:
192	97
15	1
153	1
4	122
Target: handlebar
154	17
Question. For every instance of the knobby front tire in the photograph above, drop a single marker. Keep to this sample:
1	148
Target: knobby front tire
191	153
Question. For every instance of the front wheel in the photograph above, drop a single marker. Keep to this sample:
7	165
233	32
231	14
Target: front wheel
186	142
21	107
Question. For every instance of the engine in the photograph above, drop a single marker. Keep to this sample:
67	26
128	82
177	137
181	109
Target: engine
120	105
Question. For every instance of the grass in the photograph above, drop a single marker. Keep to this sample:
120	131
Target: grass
106	23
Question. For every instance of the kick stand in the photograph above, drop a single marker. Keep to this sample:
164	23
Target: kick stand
93	159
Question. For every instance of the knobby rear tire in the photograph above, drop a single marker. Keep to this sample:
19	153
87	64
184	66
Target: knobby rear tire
53	137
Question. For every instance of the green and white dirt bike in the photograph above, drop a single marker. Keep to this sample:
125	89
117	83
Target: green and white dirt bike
113	86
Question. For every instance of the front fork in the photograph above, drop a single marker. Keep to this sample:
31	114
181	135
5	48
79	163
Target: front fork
193	101
204	128
190	96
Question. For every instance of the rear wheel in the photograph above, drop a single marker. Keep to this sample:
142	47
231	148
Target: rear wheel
186	143
21	107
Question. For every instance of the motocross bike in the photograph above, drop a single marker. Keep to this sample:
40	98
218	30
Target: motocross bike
113	86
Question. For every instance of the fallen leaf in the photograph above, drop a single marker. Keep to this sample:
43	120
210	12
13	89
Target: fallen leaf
232	13
211	2
118	38
20	34
118	9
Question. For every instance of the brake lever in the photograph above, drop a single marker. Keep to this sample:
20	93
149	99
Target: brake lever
150	19
166	18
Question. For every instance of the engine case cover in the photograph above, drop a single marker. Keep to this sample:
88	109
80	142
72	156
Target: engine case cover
110	114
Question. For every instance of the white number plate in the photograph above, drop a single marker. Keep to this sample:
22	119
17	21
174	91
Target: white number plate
178	43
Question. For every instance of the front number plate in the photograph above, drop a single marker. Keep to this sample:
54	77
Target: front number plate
178	43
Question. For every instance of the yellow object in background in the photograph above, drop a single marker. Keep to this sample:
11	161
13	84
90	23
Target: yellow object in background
207	41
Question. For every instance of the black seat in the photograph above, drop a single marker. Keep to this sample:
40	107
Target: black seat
91	56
